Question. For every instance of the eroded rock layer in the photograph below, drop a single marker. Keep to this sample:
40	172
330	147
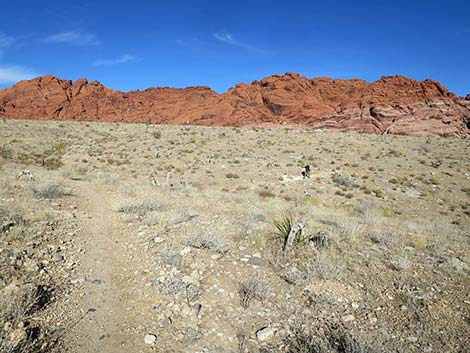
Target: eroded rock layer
393	104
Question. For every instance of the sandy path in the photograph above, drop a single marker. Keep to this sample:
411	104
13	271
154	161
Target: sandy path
114	300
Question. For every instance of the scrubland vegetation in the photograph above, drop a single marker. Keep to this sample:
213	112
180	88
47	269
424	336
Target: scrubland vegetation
381	264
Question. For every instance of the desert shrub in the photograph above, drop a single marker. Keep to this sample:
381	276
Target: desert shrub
232	176
138	207
300	341
6	152
173	284
325	269
378	193
209	241
50	158
328	340
321	240
50	190
294	276
266	194
252	289
17	303
345	182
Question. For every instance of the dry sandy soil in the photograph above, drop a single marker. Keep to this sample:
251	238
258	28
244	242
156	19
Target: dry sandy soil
96	258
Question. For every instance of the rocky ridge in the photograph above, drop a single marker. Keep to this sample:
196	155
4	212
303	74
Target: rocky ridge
392	104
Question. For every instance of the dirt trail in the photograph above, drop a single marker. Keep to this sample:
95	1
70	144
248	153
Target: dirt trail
114	298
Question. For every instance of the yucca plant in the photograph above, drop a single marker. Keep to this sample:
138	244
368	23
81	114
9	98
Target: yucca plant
284	227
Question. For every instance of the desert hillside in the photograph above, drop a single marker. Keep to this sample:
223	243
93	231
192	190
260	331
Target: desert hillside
394	104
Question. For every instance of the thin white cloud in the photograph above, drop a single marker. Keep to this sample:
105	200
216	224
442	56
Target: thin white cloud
72	38
121	60
5	40
228	38
13	74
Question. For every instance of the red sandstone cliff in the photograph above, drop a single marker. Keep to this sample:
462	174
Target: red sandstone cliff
390	105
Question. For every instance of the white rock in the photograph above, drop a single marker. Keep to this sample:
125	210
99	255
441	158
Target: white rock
265	334
185	251
150	338
347	318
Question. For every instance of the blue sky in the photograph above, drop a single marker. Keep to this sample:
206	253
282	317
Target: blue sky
138	44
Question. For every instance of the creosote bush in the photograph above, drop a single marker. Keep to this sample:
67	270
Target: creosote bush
138	207
50	190
252	289
209	241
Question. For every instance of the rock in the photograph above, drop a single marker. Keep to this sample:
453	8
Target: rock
5	227
294	276
175	261
17	336
456	264
256	261
32	265
167	322
56	257
185	251
265	334
392	104
150	339
347	318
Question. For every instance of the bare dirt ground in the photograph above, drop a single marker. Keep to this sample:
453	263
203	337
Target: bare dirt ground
112	300
140	238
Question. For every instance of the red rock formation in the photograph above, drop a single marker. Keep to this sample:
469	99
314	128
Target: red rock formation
393	104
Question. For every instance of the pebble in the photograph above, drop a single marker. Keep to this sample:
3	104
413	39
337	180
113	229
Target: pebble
185	251
456	264
256	261
175	261
265	334
150	338
57	258
347	318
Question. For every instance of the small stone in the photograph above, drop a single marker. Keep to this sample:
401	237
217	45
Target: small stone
185	251
32	265
150	339
347	318
256	261
265	334
57	257
167	322
354	306
175	261
456	264
158	240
